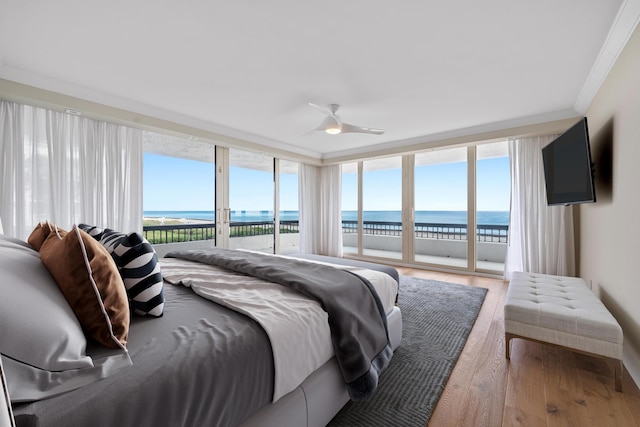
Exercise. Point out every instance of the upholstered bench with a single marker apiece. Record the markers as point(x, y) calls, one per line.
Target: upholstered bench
point(562, 311)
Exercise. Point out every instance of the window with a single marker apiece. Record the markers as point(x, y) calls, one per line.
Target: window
point(382, 207)
point(455, 203)
point(440, 194)
point(251, 201)
point(178, 197)
point(492, 203)
point(349, 204)
point(289, 236)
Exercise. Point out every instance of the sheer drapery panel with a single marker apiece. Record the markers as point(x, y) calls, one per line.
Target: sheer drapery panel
point(320, 213)
point(541, 237)
point(67, 169)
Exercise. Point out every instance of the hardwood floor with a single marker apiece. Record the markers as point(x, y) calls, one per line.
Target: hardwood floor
point(542, 385)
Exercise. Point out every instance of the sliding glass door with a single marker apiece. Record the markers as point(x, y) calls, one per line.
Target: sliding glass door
point(350, 209)
point(382, 208)
point(440, 198)
point(251, 201)
point(198, 195)
point(492, 204)
point(445, 207)
point(288, 238)
point(178, 198)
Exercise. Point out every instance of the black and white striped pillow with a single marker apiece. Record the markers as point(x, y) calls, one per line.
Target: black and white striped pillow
point(138, 265)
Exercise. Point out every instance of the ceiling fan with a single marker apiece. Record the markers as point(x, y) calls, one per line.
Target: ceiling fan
point(334, 125)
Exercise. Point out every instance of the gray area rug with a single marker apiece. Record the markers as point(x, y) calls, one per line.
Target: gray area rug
point(437, 319)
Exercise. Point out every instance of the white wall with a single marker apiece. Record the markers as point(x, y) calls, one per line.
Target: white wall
point(608, 232)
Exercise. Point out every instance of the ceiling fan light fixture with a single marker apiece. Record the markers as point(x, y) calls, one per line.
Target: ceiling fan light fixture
point(334, 130)
point(333, 124)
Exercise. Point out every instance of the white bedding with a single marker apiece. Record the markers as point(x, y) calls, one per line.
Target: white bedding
point(296, 325)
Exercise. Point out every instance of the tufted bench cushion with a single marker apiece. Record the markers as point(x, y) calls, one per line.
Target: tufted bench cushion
point(562, 311)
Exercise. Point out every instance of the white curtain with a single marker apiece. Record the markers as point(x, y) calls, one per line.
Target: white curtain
point(320, 211)
point(540, 236)
point(67, 169)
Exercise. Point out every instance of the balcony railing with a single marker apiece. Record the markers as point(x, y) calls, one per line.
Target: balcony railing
point(191, 232)
point(175, 233)
point(485, 233)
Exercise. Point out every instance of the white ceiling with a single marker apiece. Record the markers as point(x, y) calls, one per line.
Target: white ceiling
point(248, 69)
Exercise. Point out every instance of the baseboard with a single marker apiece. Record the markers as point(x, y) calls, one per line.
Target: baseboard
point(631, 359)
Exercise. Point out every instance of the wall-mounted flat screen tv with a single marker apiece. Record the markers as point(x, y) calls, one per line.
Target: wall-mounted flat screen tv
point(568, 170)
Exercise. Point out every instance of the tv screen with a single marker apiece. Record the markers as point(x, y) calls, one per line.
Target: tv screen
point(568, 170)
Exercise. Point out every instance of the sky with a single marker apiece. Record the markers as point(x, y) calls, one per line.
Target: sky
point(440, 187)
point(173, 184)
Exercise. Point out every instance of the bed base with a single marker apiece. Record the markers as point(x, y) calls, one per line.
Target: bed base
point(320, 397)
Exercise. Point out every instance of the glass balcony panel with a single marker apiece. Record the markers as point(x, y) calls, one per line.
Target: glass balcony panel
point(350, 208)
point(492, 204)
point(289, 232)
point(251, 196)
point(440, 198)
point(382, 208)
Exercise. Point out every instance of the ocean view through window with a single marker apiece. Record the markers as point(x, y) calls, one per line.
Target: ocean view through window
point(382, 191)
point(446, 217)
point(441, 184)
point(493, 189)
point(171, 164)
point(381, 222)
point(384, 224)
point(251, 186)
point(446, 207)
point(443, 207)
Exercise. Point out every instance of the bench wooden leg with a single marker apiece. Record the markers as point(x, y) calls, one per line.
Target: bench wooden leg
point(507, 342)
point(618, 367)
point(617, 372)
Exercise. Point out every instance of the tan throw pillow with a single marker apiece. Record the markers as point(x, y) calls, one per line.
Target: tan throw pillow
point(89, 280)
point(40, 234)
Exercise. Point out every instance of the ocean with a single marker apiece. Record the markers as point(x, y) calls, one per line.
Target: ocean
point(440, 217)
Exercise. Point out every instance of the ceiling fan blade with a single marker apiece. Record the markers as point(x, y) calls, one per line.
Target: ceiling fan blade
point(346, 127)
point(323, 110)
point(333, 124)
point(328, 122)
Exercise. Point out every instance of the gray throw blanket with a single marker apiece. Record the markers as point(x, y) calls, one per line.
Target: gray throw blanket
point(357, 319)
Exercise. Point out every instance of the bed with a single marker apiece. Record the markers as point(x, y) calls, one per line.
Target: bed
point(198, 363)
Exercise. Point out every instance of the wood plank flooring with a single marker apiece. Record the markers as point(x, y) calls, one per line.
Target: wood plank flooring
point(542, 385)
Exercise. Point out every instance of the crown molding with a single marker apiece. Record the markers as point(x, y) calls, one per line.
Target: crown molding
point(556, 122)
point(623, 27)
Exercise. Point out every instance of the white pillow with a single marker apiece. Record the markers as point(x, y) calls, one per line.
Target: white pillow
point(44, 349)
point(9, 239)
point(37, 325)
